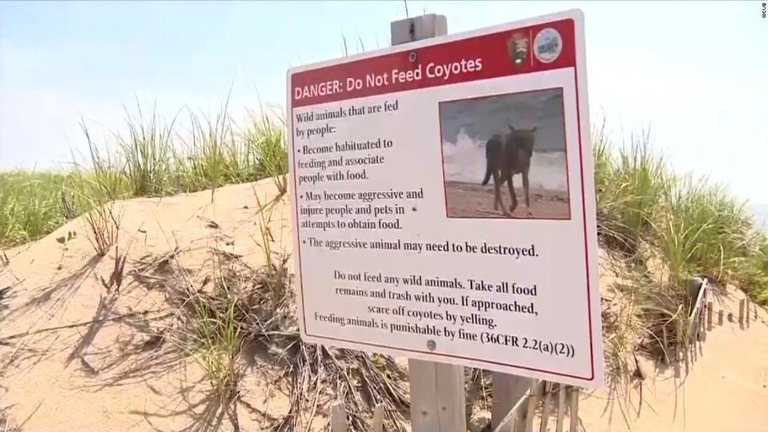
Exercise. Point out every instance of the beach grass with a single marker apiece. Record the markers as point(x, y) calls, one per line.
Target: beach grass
point(696, 225)
point(663, 226)
point(151, 160)
point(692, 225)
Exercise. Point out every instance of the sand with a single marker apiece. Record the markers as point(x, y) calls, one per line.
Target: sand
point(726, 389)
point(468, 200)
point(71, 378)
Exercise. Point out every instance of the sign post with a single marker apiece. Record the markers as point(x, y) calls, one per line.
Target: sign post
point(444, 207)
point(437, 390)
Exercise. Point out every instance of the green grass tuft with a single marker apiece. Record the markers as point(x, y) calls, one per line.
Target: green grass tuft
point(150, 160)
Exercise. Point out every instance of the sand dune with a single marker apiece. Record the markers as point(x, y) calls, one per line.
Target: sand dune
point(726, 389)
point(60, 372)
point(72, 379)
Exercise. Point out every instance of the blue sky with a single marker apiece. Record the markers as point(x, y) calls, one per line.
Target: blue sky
point(694, 71)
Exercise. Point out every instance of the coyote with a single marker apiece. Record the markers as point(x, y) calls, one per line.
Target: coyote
point(506, 157)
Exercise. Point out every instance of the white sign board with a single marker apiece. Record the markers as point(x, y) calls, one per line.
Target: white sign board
point(408, 239)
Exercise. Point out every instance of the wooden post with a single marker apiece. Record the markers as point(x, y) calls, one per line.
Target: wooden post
point(533, 402)
point(694, 341)
point(418, 28)
point(710, 313)
point(702, 324)
point(338, 417)
point(702, 315)
point(507, 391)
point(544, 425)
point(377, 424)
point(702, 330)
point(720, 316)
point(685, 345)
point(742, 308)
point(438, 391)
point(574, 410)
point(560, 408)
point(746, 311)
point(438, 397)
point(676, 363)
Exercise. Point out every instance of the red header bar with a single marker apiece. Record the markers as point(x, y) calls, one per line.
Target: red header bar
point(492, 55)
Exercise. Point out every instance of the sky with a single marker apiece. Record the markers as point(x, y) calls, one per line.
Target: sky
point(695, 73)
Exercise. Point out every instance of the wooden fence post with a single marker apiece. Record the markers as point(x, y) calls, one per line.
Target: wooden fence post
point(377, 424)
point(574, 409)
point(742, 307)
point(338, 417)
point(507, 391)
point(545, 411)
point(560, 422)
point(438, 390)
point(533, 402)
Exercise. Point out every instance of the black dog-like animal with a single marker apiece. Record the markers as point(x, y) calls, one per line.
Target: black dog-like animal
point(506, 157)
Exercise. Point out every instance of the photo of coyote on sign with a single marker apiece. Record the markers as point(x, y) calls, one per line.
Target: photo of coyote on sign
point(517, 139)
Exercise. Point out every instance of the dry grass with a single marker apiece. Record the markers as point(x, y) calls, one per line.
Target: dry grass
point(228, 315)
point(6, 424)
point(662, 229)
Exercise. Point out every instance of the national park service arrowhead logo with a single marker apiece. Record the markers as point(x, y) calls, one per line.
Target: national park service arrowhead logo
point(518, 47)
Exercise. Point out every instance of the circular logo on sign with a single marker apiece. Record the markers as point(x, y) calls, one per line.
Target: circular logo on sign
point(547, 45)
